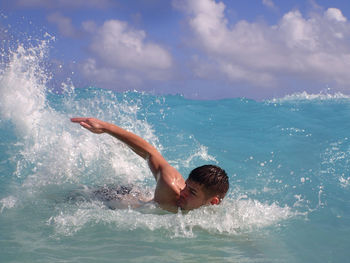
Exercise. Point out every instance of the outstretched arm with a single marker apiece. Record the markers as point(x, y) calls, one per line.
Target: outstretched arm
point(136, 143)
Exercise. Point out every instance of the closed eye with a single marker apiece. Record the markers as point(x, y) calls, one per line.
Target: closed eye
point(193, 192)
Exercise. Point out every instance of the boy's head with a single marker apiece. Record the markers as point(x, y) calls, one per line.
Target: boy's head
point(207, 184)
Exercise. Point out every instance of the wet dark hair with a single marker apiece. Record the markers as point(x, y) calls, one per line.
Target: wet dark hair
point(213, 178)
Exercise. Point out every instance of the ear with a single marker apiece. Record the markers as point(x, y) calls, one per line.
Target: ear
point(215, 200)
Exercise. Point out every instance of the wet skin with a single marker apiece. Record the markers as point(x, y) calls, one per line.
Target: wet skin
point(192, 196)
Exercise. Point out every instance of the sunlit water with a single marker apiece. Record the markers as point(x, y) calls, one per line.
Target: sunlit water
point(287, 159)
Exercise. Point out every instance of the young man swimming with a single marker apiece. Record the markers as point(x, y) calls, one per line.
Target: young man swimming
point(205, 185)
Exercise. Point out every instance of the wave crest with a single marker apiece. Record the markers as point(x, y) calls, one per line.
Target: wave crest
point(305, 96)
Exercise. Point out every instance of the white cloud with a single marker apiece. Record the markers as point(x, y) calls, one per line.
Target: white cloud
point(335, 14)
point(270, 4)
point(118, 45)
point(108, 76)
point(89, 26)
point(63, 23)
point(117, 50)
point(315, 48)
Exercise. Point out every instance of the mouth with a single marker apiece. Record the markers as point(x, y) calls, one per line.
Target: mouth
point(180, 202)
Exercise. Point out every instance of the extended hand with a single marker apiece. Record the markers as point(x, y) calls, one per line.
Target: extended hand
point(92, 124)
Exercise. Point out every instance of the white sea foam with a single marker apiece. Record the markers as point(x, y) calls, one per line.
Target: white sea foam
point(200, 152)
point(344, 181)
point(7, 202)
point(304, 96)
point(22, 86)
point(233, 217)
point(335, 160)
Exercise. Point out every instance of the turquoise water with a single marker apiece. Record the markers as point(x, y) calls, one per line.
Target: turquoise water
point(287, 159)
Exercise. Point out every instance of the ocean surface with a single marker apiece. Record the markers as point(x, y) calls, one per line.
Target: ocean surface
point(287, 159)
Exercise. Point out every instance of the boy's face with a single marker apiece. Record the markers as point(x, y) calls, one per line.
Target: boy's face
point(192, 196)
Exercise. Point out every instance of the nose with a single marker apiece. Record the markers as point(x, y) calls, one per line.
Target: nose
point(184, 193)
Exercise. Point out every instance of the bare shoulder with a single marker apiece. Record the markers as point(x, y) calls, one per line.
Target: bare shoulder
point(169, 184)
point(171, 176)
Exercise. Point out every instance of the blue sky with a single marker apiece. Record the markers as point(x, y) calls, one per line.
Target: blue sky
point(203, 49)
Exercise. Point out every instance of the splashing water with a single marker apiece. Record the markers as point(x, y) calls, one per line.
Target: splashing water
point(286, 159)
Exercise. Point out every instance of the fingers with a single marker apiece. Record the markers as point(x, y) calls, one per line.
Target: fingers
point(83, 122)
point(90, 124)
point(78, 119)
point(85, 125)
